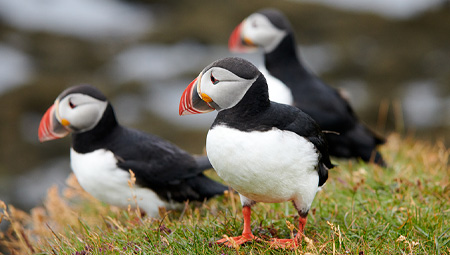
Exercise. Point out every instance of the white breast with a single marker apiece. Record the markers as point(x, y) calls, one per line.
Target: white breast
point(99, 175)
point(278, 91)
point(271, 166)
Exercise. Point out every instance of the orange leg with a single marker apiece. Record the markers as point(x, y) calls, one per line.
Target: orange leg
point(290, 243)
point(302, 223)
point(246, 234)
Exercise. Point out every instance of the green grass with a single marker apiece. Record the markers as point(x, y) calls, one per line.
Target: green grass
point(363, 209)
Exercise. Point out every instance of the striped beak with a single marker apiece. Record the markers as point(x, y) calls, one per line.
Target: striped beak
point(50, 128)
point(238, 43)
point(191, 102)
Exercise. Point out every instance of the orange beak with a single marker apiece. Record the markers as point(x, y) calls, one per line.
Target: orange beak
point(191, 102)
point(50, 128)
point(237, 43)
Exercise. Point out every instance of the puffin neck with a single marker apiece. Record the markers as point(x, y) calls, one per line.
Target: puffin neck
point(94, 139)
point(284, 56)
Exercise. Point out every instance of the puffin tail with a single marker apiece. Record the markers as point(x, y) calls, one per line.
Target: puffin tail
point(378, 159)
point(206, 187)
point(323, 173)
point(202, 163)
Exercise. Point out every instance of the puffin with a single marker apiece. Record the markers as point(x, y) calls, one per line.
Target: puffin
point(290, 82)
point(266, 151)
point(103, 151)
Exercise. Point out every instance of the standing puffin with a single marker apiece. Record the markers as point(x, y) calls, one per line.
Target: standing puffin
point(270, 30)
point(103, 152)
point(266, 151)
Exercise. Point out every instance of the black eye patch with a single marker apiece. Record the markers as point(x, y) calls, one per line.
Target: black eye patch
point(214, 80)
point(72, 105)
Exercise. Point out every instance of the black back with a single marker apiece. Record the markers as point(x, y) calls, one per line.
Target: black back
point(256, 113)
point(322, 102)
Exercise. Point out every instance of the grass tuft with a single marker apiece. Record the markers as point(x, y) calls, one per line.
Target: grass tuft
point(363, 209)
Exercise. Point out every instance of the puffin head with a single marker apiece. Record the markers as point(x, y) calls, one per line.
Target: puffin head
point(221, 85)
point(77, 109)
point(265, 29)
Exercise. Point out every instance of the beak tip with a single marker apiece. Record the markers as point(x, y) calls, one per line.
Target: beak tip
point(44, 126)
point(237, 43)
point(186, 99)
point(44, 133)
point(41, 139)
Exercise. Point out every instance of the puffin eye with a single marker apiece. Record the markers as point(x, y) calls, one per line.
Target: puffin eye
point(254, 23)
point(72, 105)
point(214, 80)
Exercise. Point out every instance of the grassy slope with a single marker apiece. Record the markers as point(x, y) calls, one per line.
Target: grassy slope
point(363, 209)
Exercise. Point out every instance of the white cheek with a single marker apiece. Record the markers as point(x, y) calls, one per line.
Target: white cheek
point(258, 35)
point(227, 96)
point(228, 91)
point(264, 34)
point(271, 41)
point(84, 117)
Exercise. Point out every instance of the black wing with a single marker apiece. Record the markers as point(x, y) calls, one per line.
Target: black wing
point(283, 117)
point(323, 103)
point(168, 170)
point(333, 113)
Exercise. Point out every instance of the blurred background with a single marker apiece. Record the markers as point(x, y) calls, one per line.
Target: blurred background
point(391, 57)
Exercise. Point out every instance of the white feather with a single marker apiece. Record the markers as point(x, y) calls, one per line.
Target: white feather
point(99, 175)
point(271, 166)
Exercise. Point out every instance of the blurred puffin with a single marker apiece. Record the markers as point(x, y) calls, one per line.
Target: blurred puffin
point(103, 151)
point(291, 83)
point(266, 151)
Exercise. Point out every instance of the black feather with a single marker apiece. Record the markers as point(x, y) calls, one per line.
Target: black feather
point(159, 165)
point(256, 113)
point(350, 138)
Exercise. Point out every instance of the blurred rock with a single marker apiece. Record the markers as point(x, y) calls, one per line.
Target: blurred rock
point(142, 54)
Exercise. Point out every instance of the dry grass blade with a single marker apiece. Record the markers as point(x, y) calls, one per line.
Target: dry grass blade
point(363, 209)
